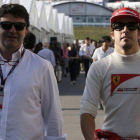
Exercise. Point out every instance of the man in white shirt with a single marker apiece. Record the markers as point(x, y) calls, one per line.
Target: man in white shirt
point(29, 97)
point(86, 51)
point(115, 80)
point(47, 54)
point(104, 50)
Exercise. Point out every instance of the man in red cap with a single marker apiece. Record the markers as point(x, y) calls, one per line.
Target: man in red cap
point(115, 80)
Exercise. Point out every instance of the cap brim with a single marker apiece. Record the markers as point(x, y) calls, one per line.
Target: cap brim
point(113, 19)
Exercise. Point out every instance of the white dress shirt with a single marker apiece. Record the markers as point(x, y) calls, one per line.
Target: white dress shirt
point(31, 104)
point(86, 50)
point(48, 55)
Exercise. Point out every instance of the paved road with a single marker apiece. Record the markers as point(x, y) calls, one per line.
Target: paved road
point(70, 101)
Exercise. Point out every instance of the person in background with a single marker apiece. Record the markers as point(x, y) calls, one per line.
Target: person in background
point(73, 64)
point(65, 58)
point(104, 50)
point(77, 48)
point(112, 44)
point(57, 54)
point(86, 52)
point(81, 58)
point(99, 44)
point(29, 97)
point(83, 42)
point(29, 41)
point(57, 44)
point(115, 80)
point(47, 54)
point(94, 43)
point(38, 47)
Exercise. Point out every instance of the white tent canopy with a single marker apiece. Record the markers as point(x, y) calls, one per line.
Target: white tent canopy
point(1, 2)
point(43, 24)
point(66, 25)
point(71, 26)
point(42, 16)
point(49, 14)
point(55, 21)
point(45, 21)
point(11, 1)
point(30, 5)
point(70, 36)
point(61, 20)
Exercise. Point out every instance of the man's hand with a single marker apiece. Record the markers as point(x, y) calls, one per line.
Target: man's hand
point(88, 126)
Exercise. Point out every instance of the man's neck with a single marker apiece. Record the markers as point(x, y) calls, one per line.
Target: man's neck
point(7, 54)
point(127, 52)
point(88, 44)
point(105, 48)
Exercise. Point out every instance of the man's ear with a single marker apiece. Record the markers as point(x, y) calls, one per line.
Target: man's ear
point(26, 31)
point(138, 34)
point(112, 35)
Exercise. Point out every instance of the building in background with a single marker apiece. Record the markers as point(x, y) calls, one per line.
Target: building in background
point(85, 13)
point(91, 12)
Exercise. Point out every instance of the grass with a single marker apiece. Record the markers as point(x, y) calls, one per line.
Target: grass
point(81, 32)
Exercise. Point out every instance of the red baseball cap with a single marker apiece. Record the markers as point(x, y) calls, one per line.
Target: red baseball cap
point(125, 12)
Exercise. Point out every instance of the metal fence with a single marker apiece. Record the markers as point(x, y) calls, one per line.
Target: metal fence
point(91, 24)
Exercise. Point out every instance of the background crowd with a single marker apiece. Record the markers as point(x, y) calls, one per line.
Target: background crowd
point(70, 59)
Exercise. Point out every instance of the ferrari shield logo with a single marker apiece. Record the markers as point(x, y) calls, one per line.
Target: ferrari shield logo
point(116, 80)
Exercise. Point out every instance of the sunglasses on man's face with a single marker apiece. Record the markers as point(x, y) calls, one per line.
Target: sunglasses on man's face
point(118, 26)
point(19, 26)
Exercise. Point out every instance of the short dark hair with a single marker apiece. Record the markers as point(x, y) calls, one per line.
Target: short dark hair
point(38, 47)
point(87, 38)
point(105, 38)
point(29, 41)
point(16, 10)
point(95, 42)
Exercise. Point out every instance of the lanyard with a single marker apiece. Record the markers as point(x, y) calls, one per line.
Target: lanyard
point(12, 69)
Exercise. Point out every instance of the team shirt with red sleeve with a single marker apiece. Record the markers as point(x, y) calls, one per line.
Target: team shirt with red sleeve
point(115, 80)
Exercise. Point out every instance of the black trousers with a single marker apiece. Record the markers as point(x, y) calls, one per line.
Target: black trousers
point(73, 70)
point(86, 65)
point(78, 67)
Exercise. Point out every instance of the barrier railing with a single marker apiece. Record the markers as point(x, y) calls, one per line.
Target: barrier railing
point(91, 24)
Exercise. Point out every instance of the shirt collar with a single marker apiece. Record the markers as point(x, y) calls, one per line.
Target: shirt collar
point(16, 55)
point(126, 58)
point(103, 50)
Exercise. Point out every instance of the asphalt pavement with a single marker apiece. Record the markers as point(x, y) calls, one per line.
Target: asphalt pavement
point(70, 96)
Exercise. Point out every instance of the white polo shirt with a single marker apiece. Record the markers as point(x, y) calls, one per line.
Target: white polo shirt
point(99, 53)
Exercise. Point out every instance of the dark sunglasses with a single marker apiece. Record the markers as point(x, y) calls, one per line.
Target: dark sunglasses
point(118, 26)
point(19, 26)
